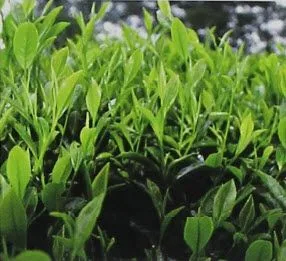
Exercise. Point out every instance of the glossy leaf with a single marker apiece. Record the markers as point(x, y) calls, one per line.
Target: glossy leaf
point(246, 130)
point(259, 250)
point(19, 170)
point(274, 188)
point(62, 169)
point(224, 202)
point(282, 131)
point(88, 216)
point(180, 38)
point(32, 255)
point(99, 184)
point(247, 214)
point(132, 66)
point(197, 232)
point(25, 44)
point(59, 60)
point(65, 92)
point(93, 98)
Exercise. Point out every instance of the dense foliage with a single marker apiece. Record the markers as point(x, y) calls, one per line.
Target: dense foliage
point(150, 147)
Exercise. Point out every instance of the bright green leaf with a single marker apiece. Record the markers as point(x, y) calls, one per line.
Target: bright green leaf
point(246, 130)
point(25, 44)
point(19, 170)
point(282, 131)
point(180, 38)
point(62, 169)
point(93, 98)
point(32, 255)
point(65, 92)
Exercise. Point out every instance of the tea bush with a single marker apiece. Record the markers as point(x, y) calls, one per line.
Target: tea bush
point(159, 147)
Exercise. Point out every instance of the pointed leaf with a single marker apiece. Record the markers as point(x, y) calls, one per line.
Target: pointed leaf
point(99, 185)
point(59, 60)
point(224, 202)
point(132, 67)
point(180, 38)
point(167, 220)
point(65, 92)
point(246, 130)
point(197, 232)
point(93, 98)
point(19, 170)
point(25, 44)
point(13, 220)
point(282, 131)
point(62, 169)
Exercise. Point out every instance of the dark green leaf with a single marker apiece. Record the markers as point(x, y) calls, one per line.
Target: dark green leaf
point(197, 232)
point(259, 250)
point(224, 202)
point(13, 220)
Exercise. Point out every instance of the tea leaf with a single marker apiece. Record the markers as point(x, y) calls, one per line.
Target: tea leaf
point(25, 44)
point(62, 169)
point(180, 38)
point(28, 6)
point(19, 170)
point(88, 216)
point(59, 60)
point(93, 98)
point(99, 184)
point(281, 157)
point(87, 139)
point(156, 196)
point(224, 202)
point(282, 131)
point(214, 160)
point(247, 214)
point(165, 8)
point(236, 172)
point(51, 196)
point(32, 255)
point(246, 130)
point(13, 220)
point(282, 252)
point(197, 232)
point(274, 188)
point(171, 92)
point(266, 154)
point(259, 250)
point(167, 220)
point(65, 92)
point(85, 222)
point(148, 21)
point(132, 66)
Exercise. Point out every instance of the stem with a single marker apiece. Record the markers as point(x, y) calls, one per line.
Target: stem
point(5, 250)
point(229, 117)
point(87, 180)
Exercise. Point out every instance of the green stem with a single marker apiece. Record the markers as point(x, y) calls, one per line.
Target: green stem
point(5, 250)
point(228, 118)
point(87, 180)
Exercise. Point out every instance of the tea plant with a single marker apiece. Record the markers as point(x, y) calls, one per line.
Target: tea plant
point(154, 147)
